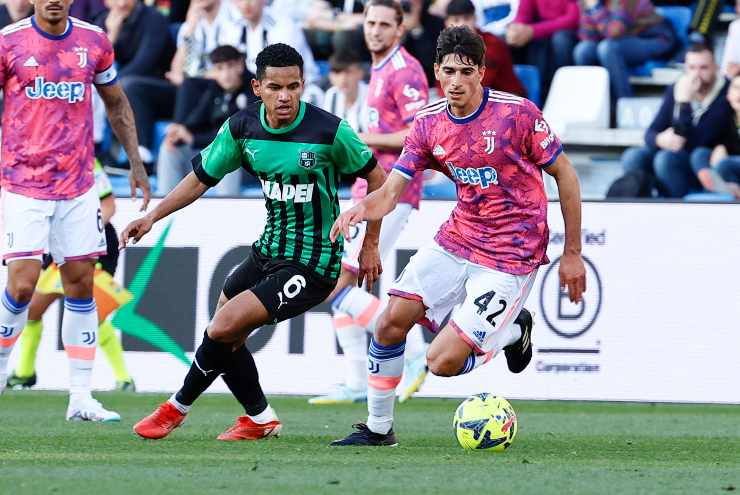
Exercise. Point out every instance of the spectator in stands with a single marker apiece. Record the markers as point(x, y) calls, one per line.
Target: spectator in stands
point(229, 92)
point(499, 69)
point(140, 37)
point(209, 24)
point(87, 10)
point(718, 169)
point(14, 11)
point(544, 34)
point(731, 56)
point(422, 30)
point(257, 27)
point(492, 16)
point(348, 92)
point(619, 34)
point(330, 26)
point(694, 113)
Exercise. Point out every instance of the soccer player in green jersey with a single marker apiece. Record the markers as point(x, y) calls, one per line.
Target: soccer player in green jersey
point(298, 152)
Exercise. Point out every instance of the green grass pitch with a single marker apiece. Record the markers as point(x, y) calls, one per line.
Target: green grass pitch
point(561, 447)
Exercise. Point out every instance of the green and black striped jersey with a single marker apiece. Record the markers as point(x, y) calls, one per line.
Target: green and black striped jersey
point(299, 167)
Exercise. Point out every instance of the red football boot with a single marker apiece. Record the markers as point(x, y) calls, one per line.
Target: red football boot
point(160, 423)
point(246, 429)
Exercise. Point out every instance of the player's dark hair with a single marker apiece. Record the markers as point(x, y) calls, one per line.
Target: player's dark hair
point(225, 53)
point(278, 55)
point(466, 45)
point(391, 4)
point(460, 7)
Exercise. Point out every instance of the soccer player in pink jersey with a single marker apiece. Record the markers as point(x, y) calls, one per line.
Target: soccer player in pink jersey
point(398, 88)
point(48, 64)
point(494, 146)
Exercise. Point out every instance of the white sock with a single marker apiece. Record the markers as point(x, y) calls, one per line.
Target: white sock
point(265, 416)
point(13, 317)
point(180, 407)
point(351, 338)
point(362, 306)
point(415, 343)
point(386, 366)
point(79, 335)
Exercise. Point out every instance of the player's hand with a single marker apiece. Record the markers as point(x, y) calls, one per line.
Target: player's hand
point(370, 264)
point(137, 178)
point(135, 231)
point(573, 276)
point(348, 219)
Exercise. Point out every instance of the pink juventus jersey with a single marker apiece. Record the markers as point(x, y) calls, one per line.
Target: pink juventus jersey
point(495, 157)
point(47, 142)
point(398, 88)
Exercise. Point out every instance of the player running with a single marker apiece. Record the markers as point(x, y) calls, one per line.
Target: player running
point(48, 63)
point(298, 152)
point(494, 146)
point(108, 295)
point(398, 88)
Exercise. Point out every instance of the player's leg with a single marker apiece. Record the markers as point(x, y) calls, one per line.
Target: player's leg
point(352, 338)
point(430, 285)
point(485, 324)
point(26, 234)
point(22, 277)
point(286, 291)
point(75, 242)
point(108, 339)
point(80, 337)
point(24, 375)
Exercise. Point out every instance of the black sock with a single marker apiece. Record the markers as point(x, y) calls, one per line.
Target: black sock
point(243, 380)
point(210, 360)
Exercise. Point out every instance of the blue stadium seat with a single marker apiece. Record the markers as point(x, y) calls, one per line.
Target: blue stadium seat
point(680, 19)
point(530, 78)
point(121, 188)
point(323, 67)
point(709, 197)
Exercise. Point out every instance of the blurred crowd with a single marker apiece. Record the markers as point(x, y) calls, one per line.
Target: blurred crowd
point(189, 64)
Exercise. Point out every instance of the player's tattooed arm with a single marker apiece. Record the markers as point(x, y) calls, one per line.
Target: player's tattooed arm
point(572, 269)
point(369, 258)
point(121, 119)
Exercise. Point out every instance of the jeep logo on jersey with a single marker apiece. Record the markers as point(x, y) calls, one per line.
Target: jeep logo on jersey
point(70, 91)
point(299, 193)
point(307, 159)
point(485, 176)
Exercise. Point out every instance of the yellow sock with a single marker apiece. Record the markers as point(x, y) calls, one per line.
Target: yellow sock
point(110, 344)
point(29, 344)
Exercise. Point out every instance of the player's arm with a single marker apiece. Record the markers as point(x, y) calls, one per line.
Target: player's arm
point(219, 158)
point(121, 119)
point(391, 142)
point(572, 270)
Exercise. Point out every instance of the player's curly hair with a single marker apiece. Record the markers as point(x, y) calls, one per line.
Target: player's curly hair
point(466, 45)
point(278, 55)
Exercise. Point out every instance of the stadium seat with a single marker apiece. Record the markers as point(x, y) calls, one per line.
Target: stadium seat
point(709, 197)
point(586, 85)
point(121, 188)
point(637, 112)
point(530, 78)
point(680, 19)
point(323, 66)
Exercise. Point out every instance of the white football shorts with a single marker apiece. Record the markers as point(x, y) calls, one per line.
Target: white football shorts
point(68, 229)
point(482, 300)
